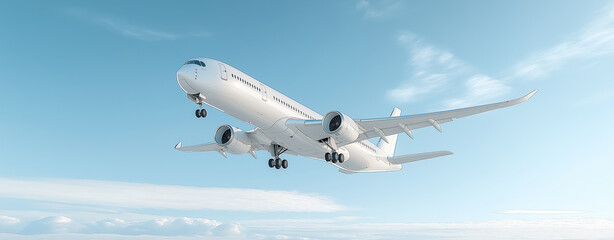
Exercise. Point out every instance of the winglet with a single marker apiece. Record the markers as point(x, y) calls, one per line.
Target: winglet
point(178, 146)
point(520, 100)
point(529, 95)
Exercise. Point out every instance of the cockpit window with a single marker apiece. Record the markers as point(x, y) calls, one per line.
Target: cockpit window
point(197, 62)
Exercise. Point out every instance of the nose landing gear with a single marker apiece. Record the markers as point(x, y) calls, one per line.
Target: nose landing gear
point(198, 98)
point(201, 112)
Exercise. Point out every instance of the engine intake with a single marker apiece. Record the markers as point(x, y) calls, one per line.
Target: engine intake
point(340, 127)
point(232, 139)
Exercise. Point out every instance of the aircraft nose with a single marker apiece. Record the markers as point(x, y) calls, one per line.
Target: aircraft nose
point(185, 76)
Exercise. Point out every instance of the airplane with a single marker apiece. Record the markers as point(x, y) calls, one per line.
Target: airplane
point(283, 125)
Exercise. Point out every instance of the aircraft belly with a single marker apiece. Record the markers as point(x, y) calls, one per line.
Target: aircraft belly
point(293, 141)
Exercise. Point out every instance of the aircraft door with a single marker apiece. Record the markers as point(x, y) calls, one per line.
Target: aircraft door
point(263, 87)
point(224, 74)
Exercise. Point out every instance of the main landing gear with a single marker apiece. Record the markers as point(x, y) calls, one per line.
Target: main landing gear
point(277, 162)
point(200, 112)
point(334, 157)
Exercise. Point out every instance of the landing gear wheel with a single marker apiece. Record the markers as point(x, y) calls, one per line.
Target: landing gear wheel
point(203, 113)
point(327, 157)
point(284, 163)
point(278, 163)
point(341, 158)
point(197, 113)
point(271, 163)
point(334, 157)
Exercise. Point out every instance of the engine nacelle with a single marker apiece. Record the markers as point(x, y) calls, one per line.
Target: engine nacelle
point(340, 127)
point(232, 139)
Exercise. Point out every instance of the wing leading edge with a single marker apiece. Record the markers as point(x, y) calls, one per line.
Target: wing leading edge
point(394, 125)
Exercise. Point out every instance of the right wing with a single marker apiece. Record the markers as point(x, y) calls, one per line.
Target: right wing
point(378, 127)
point(394, 125)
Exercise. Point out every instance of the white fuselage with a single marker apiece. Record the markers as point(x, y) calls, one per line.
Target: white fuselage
point(243, 97)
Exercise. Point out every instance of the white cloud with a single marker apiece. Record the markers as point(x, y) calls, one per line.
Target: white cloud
point(154, 226)
point(81, 236)
point(51, 225)
point(436, 70)
point(158, 226)
point(6, 220)
point(479, 89)
point(227, 229)
point(431, 68)
point(520, 211)
point(67, 228)
point(149, 196)
point(594, 40)
point(10, 224)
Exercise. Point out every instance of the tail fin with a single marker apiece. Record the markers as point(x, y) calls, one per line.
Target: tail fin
point(388, 147)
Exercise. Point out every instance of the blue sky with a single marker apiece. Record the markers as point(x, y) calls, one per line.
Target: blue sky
point(91, 111)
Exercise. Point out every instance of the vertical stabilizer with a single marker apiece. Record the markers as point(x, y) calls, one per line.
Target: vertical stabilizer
point(388, 147)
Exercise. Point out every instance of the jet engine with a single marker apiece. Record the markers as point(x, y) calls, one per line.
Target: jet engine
point(232, 139)
point(340, 127)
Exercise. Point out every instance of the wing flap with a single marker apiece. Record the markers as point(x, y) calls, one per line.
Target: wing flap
point(417, 157)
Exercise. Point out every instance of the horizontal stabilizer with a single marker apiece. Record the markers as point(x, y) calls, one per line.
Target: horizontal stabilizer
point(417, 157)
point(345, 171)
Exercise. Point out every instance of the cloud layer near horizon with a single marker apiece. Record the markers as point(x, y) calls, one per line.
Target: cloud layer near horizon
point(66, 228)
point(149, 196)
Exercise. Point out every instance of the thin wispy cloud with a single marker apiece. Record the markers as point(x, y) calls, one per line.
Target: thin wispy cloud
point(136, 31)
point(149, 196)
point(430, 68)
point(521, 211)
point(478, 89)
point(434, 70)
point(127, 29)
point(429, 75)
point(596, 39)
point(379, 9)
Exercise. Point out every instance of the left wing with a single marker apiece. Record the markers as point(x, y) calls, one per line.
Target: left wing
point(199, 148)
point(258, 142)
